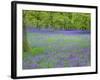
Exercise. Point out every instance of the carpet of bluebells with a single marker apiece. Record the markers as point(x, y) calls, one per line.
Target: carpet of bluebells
point(56, 49)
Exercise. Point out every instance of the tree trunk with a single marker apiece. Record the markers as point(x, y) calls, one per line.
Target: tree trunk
point(26, 47)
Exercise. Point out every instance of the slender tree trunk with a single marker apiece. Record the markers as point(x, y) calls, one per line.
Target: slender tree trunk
point(50, 20)
point(38, 18)
point(64, 21)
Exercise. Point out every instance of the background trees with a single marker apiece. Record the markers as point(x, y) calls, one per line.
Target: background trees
point(56, 20)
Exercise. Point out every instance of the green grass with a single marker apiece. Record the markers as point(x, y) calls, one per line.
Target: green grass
point(38, 50)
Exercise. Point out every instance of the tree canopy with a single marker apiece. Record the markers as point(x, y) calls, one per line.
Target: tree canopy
point(56, 20)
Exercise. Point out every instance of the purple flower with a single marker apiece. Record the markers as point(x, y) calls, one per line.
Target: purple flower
point(34, 66)
point(60, 63)
point(73, 61)
point(37, 58)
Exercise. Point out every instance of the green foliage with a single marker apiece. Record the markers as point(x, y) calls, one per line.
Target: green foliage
point(50, 39)
point(38, 50)
point(57, 20)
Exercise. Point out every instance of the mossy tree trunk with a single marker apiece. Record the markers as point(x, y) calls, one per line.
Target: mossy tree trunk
point(26, 47)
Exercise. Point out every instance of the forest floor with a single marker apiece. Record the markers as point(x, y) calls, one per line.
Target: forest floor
point(55, 49)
